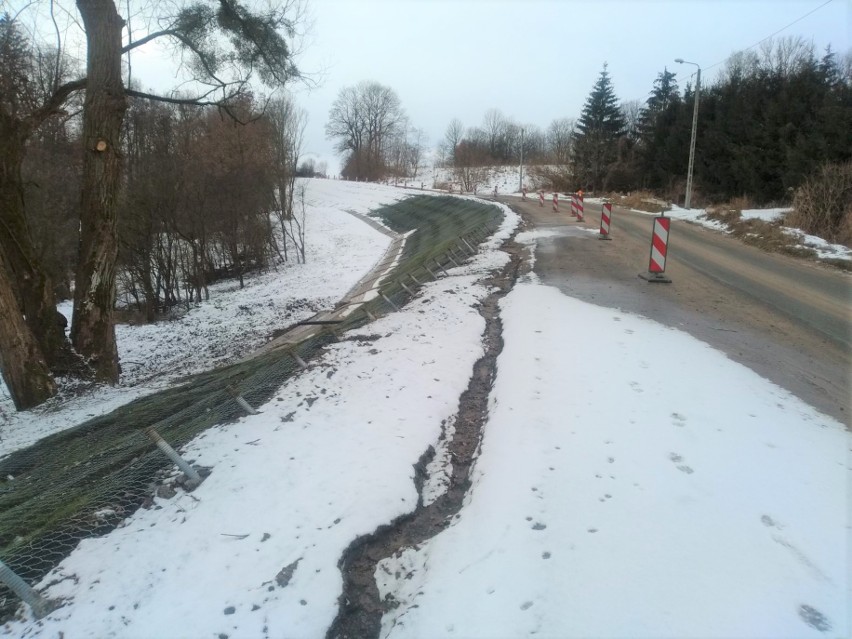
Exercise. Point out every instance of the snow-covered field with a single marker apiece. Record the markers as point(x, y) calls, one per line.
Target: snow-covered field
point(635, 484)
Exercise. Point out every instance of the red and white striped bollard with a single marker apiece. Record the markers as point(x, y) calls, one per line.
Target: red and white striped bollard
point(606, 217)
point(659, 251)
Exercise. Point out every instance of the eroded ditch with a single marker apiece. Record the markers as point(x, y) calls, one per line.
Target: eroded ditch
point(360, 607)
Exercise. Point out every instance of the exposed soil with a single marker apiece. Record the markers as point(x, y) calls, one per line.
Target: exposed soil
point(360, 607)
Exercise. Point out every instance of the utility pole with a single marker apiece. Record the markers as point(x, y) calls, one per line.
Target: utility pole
point(688, 201)
point(521, 185)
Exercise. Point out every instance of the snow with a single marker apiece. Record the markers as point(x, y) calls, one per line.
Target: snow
point(340, 249)
point(767, 215)
point(824, 250)
point(635, 484)
point(328, 459)
point(641, 485)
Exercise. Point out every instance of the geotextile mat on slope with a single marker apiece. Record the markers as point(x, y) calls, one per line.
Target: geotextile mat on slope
point(84, 481)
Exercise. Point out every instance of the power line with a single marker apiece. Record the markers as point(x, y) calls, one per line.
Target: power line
point(772, 35)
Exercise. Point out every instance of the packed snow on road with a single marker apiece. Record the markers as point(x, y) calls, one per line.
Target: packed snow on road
point(632, 481)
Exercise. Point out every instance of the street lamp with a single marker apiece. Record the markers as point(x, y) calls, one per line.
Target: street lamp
point(694, 128)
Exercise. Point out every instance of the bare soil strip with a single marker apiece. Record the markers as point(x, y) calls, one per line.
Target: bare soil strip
point(360, 607)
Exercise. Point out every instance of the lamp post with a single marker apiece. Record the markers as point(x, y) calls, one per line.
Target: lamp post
point(688, 201)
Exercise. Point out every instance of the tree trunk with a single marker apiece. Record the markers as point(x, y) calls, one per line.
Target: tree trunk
point(31, 285)
point(92, 329)
point(24, 369)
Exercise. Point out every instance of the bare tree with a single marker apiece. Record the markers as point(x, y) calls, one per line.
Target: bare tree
point(414, 150)
point(24, 369)
point(453, 136)
point(288, 124)
point(226, 46)
point(495, 125)
point(32, 91)
point(560, 135)
point(364, 118)
point(631, 110)
point(257, 46)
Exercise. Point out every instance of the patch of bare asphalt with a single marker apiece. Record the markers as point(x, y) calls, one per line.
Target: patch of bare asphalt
point(360, 608)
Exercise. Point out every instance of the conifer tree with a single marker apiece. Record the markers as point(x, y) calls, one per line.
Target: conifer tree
point(599, 128)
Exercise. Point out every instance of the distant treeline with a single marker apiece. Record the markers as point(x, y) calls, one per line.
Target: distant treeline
point(769, 120)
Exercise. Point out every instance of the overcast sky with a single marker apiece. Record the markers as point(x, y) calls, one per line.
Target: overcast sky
point(535, 60)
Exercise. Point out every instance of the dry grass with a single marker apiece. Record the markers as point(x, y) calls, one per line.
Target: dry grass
point(822, 206)
point(641, 201)
point(729, 213)
point(551, 178)
point(770, 236)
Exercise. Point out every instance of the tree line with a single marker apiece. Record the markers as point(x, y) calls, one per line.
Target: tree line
point(766, 123)
point(373, 133)
point(79, 144)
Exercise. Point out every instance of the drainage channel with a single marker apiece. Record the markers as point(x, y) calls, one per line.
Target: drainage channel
point(360, 608)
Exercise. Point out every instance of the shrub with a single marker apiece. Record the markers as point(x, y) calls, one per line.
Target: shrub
point(822, 206)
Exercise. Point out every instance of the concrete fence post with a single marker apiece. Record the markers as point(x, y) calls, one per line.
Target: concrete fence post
point(163, 445)
point(233, 392)
point(39, 605)
point(387, 299)
point(416, 281)
point(405, 286)
point(302, 363)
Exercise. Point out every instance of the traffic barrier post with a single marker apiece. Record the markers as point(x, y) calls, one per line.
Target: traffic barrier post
point(555, 201)
point(606, 217)
point(580, 217)
point(659, 251)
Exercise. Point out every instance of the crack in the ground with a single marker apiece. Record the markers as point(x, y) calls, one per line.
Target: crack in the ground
point(360, 607)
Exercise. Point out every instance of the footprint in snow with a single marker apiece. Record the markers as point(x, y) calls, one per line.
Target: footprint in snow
point(526, 605)
point(678, 419)
point(681, 467)
point(814, 618)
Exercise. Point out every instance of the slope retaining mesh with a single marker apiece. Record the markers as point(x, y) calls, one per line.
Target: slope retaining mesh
point(84, 481)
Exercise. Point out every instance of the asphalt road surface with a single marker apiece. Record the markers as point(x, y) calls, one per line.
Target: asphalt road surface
point(787, 319)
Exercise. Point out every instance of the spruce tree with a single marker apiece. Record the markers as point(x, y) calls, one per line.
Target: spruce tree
point(661, 151)
point(599, 128)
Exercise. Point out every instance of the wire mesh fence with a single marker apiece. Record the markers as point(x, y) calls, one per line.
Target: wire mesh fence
point(84, 481)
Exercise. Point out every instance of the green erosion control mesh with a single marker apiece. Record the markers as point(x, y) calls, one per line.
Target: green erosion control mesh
point(84, 481)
